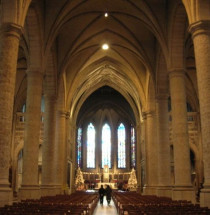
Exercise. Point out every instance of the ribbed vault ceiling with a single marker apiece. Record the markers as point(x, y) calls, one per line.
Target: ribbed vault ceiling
point(79, 28)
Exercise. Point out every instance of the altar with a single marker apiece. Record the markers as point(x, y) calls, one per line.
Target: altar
point(106, 174)
point(106, 179)
point(94, 180)
point(112, 185)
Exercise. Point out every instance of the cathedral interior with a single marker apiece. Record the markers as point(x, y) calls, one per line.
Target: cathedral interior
point(88, 84)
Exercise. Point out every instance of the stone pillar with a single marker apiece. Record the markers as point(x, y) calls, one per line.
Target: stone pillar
point(30, 185)
point(143, 151)
point(66, 151)
point(182, 170)
point(201, 37)
point(60, 149)
point(138, 157)
point(164, 168)
point(151, 155)
point(49, 186)
point(9, 43)
point(73, 157)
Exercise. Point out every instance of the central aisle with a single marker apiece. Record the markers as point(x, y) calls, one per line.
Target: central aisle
point(105, 209)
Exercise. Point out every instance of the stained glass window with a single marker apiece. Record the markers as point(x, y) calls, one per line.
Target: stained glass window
point(121, 146)
point(24, 108)
point(42, 104)
point(22, 117)
point(42, 108)
point(133, 147)
point(106, 145)
point(90, 146)
point(79, 147)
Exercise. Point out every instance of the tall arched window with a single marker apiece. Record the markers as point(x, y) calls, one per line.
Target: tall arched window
point(19, 168)
point(133, 147)
point(106, 145)
point(24, 108)
point(90, 146)
point(22, 117)
point(121, 146)
point(42, 108)
point(79, 147)
point(42, 104)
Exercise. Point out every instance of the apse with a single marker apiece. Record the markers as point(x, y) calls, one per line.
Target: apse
point(106, 133)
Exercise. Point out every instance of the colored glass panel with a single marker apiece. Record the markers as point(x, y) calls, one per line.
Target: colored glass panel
point(79, 147)
point(90, 146)
point(133, 147)
point(106, 145)
point(121, 147)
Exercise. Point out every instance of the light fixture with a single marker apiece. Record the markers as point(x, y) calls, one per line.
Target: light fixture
point(106, 14)
point(105, 46)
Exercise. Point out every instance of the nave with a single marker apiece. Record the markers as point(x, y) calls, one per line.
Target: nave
point(105, 209)
point(87, 203)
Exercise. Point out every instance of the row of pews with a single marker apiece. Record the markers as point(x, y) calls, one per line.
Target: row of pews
point(132, 203)
point(78, 203)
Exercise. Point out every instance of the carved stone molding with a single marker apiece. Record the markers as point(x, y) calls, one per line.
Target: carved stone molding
point(176, 72)
point(200, 27)
point(11, 29)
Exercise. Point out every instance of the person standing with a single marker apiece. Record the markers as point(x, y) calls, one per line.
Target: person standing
point(108, 194)
point(101, 194)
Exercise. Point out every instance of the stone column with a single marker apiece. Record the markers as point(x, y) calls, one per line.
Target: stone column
point(73, 157)
point(49, 186)
point(138, 157)
point(151, 155)
point(164, 168)
point(182, 170)
point(60, 148)
point(9, 43)
point(66, 151)
point(30, 185)
point(201, 37)
point(143, 151)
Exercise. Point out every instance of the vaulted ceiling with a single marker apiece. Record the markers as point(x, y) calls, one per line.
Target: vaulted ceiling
point(132, 31)
point(137, 33)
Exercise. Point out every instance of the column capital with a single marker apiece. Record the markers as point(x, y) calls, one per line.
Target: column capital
point(67, 114)
point(200, 27)
point(63, 113)
point(34, 71)
point(11, 29)
point(162, 96)
point(50, 96)
point(176, 72)
point(147, 114)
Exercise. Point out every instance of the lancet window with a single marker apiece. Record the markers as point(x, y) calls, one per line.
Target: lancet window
point(121, 146)
point(91, 146)
point(106, 145)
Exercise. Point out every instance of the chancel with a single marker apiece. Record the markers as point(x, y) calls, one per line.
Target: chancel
point(106, 174)
point(104, 93)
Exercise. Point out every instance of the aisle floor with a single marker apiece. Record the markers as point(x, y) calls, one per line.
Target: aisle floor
point(105, 209)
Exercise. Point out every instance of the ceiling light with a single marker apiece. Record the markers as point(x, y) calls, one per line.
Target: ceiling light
point(106, 14)
point(105, 46)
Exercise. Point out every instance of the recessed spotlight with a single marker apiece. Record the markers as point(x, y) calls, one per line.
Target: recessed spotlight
point(106, 14)
point(105, 46)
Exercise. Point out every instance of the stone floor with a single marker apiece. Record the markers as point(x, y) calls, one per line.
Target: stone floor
point(105, 209)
